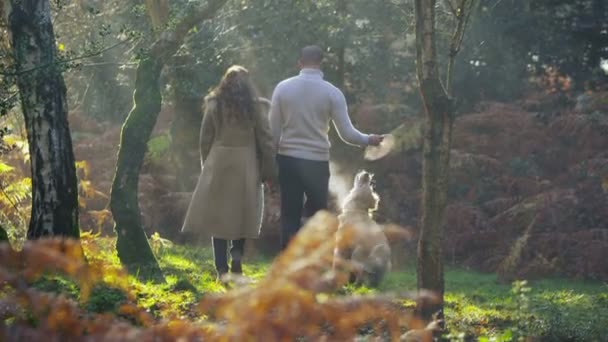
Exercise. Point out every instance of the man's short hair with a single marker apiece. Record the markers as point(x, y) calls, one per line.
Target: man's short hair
point(311, 55)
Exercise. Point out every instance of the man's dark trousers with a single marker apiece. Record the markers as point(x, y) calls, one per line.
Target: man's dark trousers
point(299, 177)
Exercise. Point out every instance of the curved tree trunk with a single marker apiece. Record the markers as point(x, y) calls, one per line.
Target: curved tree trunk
point(43, 100)
point(132, 244)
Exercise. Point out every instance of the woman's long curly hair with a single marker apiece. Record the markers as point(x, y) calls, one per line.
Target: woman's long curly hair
point(236, 97)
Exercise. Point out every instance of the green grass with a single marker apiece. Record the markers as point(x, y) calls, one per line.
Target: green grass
point(552, 309)
point(476, 304)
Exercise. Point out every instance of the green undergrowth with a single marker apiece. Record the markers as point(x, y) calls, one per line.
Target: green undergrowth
point(476, 304)
point(549, 309)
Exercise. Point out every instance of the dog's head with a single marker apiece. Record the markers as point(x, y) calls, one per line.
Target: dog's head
point(363, 179)
point(362, 196)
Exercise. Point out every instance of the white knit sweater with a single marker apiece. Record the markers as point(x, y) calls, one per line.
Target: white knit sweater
point(302, 107)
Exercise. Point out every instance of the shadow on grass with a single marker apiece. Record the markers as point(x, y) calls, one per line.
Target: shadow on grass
point(553, 309)
point(476, 303)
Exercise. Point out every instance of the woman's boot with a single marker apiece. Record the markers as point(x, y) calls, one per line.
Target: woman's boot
point(236, 252)
point(220, 249)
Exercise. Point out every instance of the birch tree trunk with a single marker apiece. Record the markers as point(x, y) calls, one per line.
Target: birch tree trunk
point(132, 244)
point(43, 100)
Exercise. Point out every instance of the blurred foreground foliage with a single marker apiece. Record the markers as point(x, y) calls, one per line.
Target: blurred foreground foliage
point(295, 299)
point(49, 292)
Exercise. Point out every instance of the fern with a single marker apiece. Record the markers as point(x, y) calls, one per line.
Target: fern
point(15, 203)
point(4, 168)
point(15, 188)
point(295, 300)
point(20, 146)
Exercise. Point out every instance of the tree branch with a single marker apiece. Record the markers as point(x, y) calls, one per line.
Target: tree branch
point(452, 8)
point(85, 56)
point(101, 64)
point(170, 40)
point(462, 18)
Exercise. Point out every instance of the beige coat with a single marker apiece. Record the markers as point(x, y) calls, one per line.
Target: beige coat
point(228, 201)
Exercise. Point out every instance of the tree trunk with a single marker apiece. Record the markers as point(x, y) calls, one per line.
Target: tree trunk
point(440, 113)
point(342, 10)
point(436, 157)
point(462, 14)
point(43, 100)
point(435, 167)
point(132, 244)
point(158, 11)
point(598, 39)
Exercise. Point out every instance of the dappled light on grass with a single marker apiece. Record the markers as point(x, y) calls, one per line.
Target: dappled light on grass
point(58, 296)
point(477, 305)
point(178, 262)
point(287, 301)
point(192, 266)
point(55, 256)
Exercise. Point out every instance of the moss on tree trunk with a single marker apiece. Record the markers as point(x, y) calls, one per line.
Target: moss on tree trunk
point(132, 243)
point(43, 100)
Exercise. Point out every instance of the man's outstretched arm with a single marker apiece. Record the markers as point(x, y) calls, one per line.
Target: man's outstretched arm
point(347, 132)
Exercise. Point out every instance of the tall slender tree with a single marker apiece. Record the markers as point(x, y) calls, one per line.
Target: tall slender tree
point(43, 101)
point(132, 244)
point(440, 112)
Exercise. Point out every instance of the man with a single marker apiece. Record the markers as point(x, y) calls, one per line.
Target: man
point(300, 113)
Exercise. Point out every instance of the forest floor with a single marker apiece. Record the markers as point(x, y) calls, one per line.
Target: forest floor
point(476, 303)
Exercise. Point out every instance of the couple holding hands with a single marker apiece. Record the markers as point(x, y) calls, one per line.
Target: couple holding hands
point(242, 147)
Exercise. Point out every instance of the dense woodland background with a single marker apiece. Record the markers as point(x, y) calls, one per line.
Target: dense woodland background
point(528, 184)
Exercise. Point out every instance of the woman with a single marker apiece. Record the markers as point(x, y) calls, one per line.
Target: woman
point(237, 156)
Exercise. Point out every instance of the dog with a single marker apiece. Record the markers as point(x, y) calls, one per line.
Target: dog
point(359, 238)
